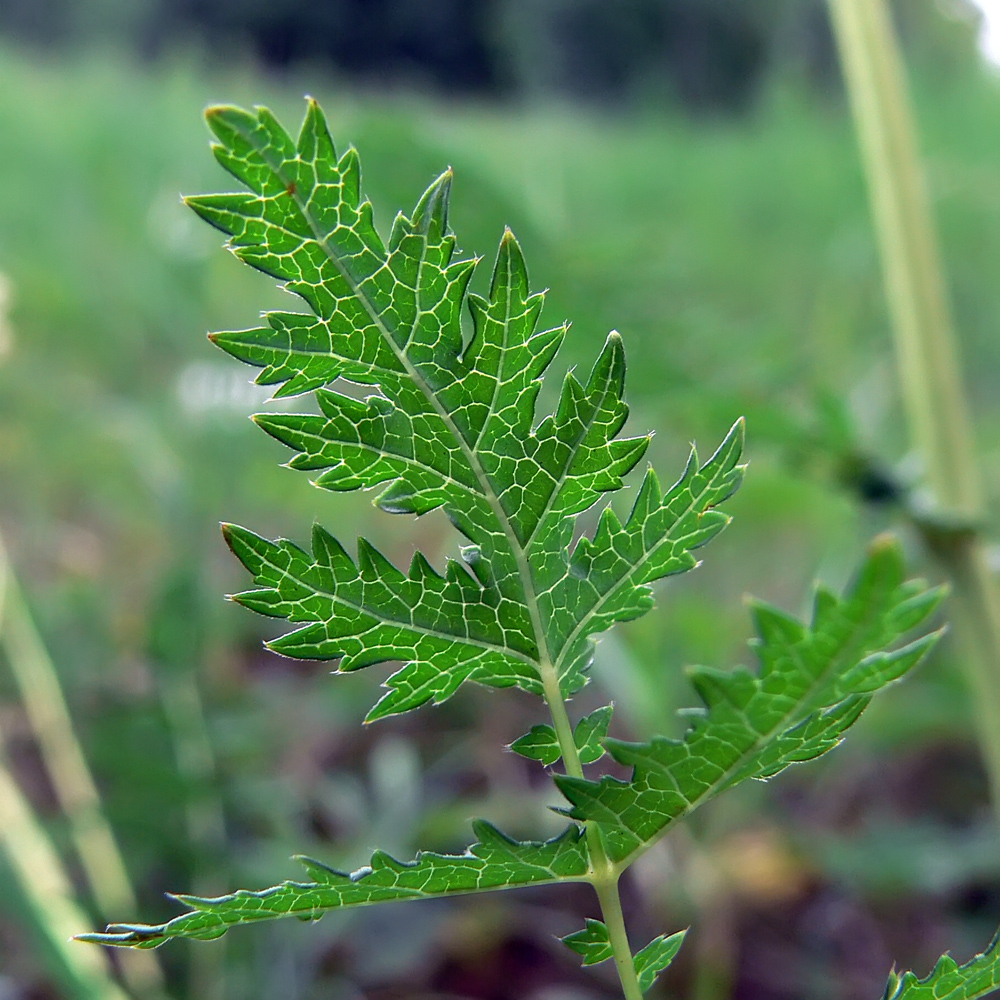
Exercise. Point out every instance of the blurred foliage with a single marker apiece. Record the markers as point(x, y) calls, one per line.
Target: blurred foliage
point(705, 54)
point(741, 271)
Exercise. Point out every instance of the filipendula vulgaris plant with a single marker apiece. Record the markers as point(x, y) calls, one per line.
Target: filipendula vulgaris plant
point(451, 424)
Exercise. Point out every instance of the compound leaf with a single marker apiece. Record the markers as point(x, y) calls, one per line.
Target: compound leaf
point(949, 980)
point(814, 682)
point(494, 862)
point(452, 425)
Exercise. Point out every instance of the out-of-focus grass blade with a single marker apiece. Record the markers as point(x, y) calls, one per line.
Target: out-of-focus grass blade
point(48, 891)
point(48, 714)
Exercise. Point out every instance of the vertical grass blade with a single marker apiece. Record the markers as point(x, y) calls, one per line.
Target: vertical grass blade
point(205, 820)
point(926, 346)
point(48, 891)
point(48, 715)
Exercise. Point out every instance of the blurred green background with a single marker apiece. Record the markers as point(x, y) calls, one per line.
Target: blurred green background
point(683, 171)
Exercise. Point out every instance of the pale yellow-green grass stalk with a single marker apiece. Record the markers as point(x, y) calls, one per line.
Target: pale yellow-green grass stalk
point(48, 715)
point(949, 508)
point(41, 874)
point(48, 891)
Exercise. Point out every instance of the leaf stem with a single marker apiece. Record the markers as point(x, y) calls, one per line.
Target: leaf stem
point(611, 910)
point(604, 873)
point(560, 720)
point(926, 347)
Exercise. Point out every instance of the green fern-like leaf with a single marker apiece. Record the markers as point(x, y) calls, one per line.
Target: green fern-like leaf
point(451, 423)
point(454, 426)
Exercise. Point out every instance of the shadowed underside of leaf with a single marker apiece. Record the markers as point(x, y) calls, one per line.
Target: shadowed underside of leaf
point(814, 682)
point(593, 943)
point(495, 862)
point(656, 957)
point(949, 980)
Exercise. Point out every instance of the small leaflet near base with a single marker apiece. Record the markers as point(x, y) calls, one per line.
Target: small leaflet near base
point(655, 957)
point(593, 942)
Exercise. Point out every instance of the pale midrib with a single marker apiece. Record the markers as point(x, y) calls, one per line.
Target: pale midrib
point(764, 738)
point(627, 576)
point(174, 928)
point(544, 666)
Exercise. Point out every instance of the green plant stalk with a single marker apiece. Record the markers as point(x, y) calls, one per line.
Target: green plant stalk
point(950, 511)
point(48, 714)
point(611, 910)
point(605, 875)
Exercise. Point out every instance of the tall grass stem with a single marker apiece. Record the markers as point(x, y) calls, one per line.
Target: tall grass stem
point(41, 874)
point(48, 714)
point(48, 891)
point(949, 508)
